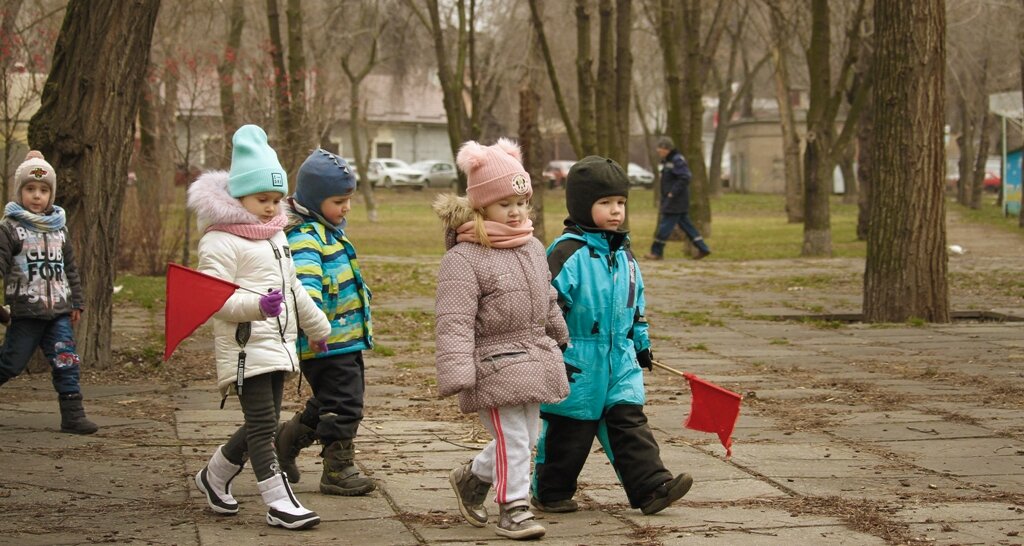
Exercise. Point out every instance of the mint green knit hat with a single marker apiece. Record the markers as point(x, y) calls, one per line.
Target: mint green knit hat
point(254, 164)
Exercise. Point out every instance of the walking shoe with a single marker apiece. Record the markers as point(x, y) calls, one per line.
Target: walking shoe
point(291, 438)
point(215, 482)
point(555, 507)
point(666, 493)
point(283, 509)
point(72, 415)
point(518, 523)
point(702, 254)
point(654, 257)
point(471, 493)
point(341, 476)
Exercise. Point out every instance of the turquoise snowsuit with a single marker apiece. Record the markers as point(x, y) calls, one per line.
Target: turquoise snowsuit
point(602, 295)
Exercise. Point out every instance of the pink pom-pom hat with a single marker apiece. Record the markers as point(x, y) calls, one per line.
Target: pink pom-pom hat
point(493, 172)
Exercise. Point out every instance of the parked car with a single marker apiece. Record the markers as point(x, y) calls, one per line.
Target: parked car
point(392, 173)
point(556, 171)
point(438, 174)
point(639, 176)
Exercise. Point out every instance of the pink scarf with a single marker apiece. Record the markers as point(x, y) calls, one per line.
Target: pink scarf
point(254, 232)
point(500, 235)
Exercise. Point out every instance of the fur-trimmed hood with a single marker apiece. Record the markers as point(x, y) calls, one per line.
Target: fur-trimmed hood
point(453, 210)
point(208, 196)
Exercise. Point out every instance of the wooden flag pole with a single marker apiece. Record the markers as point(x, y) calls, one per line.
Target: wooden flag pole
point(668, 368)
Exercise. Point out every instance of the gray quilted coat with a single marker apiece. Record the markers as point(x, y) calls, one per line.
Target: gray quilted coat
point(498, 323)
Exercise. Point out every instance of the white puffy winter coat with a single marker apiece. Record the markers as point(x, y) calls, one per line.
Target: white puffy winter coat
point(259, 265)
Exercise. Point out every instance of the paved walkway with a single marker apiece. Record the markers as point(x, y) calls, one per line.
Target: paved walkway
point(849, 433)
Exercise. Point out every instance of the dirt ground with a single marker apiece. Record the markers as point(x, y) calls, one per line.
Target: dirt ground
point(746, 324)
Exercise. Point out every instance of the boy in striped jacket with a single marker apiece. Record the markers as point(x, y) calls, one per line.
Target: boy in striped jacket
point(325, 261)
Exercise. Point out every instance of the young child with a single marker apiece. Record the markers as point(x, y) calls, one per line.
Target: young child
point(42, 288)
point(601, 292)
point(326, 264)
point(240, 216)
point(499, 329)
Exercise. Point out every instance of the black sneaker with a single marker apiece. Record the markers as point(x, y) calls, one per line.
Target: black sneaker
point(556, 507)
point(666, 493)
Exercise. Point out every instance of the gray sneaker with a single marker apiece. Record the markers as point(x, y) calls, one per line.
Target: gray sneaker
point(471, 493)
point(518, 523)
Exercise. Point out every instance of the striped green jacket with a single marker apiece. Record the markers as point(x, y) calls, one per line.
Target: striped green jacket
point(326, 264)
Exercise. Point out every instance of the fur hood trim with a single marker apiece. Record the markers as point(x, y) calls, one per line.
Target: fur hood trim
point(453, 210)
point(208, 196)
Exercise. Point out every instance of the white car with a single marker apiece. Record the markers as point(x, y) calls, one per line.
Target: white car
point(639, 176)
point(393, 173)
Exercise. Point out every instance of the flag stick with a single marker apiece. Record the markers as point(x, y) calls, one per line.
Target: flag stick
point(668, 368)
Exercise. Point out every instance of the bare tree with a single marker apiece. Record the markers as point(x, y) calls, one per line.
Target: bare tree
point(87, 132)
point(824, 146)
point(226, 70)
point(905, 273)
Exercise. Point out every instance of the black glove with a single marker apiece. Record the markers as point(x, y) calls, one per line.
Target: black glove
point(645, 359)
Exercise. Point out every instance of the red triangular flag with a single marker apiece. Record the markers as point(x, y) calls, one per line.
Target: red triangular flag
point(192, 298)
point(713, 409)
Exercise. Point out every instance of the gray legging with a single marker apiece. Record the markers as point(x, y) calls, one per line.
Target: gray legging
point(261, 406)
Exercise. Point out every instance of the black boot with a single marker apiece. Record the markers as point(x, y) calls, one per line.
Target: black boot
point(292, 437)
point(72, 415)
point(341, 477)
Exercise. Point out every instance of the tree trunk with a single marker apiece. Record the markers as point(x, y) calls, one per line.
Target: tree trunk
point(530, 143)
point(451, 83)
point(603, 92)
point(556, 89)
point(585, 83)
point(905, 272)
point(8, 112)
point(282, 96)
point(849, 175)
point(820, 130)
point(623, 81)
point(865, 167)
point(296, 141)
point(85, 126)
point(787, 119)
point(668, 40)
point(226, 74)
point(692, 146)
point(980, 159)
point(964, 141)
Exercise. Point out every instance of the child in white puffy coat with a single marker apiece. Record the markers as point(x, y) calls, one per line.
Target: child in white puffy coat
point(240, 216)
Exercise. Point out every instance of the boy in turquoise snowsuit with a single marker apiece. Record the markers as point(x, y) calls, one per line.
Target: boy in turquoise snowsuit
point(601, 293)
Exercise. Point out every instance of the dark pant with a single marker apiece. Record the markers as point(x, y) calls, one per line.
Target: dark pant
point(336, 408)
point(565, 443)
point(54, 337)
point(261, 406)
point(667, 223)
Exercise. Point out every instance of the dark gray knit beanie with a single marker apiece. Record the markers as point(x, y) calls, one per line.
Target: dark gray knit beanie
point(592, 178)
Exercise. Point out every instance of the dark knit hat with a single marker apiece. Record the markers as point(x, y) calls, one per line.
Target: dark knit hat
point(322, 175)
point(592, 178)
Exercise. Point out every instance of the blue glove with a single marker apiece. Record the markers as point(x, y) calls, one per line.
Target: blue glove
point(271, 303)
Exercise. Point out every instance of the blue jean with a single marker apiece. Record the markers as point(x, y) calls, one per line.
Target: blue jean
point(667, 223)
point(54, 337)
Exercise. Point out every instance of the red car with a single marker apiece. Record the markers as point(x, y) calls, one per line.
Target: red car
point(555, 173)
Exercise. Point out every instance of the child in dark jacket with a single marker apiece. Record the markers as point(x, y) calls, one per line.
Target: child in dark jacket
point(601, 293)
point(42, 288)
point(327, 266)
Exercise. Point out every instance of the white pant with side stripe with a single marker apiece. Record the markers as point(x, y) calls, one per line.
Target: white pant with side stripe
point(505, 462)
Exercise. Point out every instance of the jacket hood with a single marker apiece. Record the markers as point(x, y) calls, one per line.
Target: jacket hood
point(208, 196)
point(298, 215)
point(453, 210)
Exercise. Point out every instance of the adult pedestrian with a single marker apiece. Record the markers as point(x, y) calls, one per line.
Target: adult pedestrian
point(675, 202)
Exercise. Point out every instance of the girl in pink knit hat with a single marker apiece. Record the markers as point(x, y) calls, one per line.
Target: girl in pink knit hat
point(499, 331)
